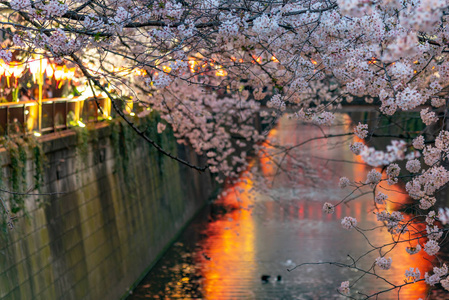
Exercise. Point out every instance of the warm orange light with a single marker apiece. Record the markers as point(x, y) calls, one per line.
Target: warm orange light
point(71, 73)
point(139, 72)
point(221, 72)
point(64, 73)
point(314, 61)
point(372, 60)
point(273, 58)
point(240, 60)
point(192, 64)
point(257, 59)
point(59, 73)
point(233, 58)
point(166, 69)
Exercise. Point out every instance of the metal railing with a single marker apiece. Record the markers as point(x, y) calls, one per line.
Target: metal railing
point(57, 114)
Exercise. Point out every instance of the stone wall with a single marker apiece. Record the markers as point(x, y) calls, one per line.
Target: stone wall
point(116, 204)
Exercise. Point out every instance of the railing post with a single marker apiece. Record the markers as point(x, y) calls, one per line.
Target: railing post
point(40, 83)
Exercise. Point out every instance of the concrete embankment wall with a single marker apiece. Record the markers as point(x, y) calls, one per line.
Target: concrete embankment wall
point(120, 204)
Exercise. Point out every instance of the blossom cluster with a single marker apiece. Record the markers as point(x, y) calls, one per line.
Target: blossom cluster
point(210, 67)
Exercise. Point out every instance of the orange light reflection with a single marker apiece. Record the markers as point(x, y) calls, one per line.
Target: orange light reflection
point(233, 240)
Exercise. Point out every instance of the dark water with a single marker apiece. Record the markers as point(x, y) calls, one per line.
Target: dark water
point(224, 252)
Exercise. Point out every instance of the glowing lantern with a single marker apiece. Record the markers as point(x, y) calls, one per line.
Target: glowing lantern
point(64, 72)
point(37, 67)
point(34, 66)
point(43, 66)
point(18, 70)
point(58, 73)
point(49, 71)
point(71, 73)
point(9, 71)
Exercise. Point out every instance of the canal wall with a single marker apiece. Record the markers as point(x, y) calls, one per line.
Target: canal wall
point(114, 204)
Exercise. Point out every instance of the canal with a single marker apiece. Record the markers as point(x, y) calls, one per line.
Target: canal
point(247, 234)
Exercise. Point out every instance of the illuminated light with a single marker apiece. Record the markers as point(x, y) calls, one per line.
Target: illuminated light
point(44, 64)
point(221, 72)
point(65, 73)
point(27, 112)
point(192, 63)
point(38, 134)
point(109, 118)
point(81, 124)
point(273, 58)
point(9, 71)
point(415, 62)
point(372, 61)
point(314, 61)
point(59, 73)
point(240, 60)
point(132, 114)
point(166, 69)
point(415, 71)
point(71, 73)
point(433, 67)
point(139, 72)
point(49, 71)
point(233, 58)
point(34, 66)
point(257, 59)
point(18, 68)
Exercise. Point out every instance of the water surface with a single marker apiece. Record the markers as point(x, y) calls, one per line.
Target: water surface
point(228, 247)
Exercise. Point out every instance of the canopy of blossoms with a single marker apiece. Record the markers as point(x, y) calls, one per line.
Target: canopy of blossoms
point(205, 65)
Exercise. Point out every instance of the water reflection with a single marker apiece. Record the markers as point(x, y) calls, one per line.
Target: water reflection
point(226, 250)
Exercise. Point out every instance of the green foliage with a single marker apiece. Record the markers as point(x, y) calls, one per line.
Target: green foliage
point(38, 161)
point(19, 150)
point(18, 159)
point(124, 141)
point(82, 135)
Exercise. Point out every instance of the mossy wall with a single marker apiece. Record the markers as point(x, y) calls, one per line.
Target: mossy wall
point(116, 204)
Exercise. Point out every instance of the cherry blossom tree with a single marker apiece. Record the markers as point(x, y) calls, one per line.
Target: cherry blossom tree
point(207, 66)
